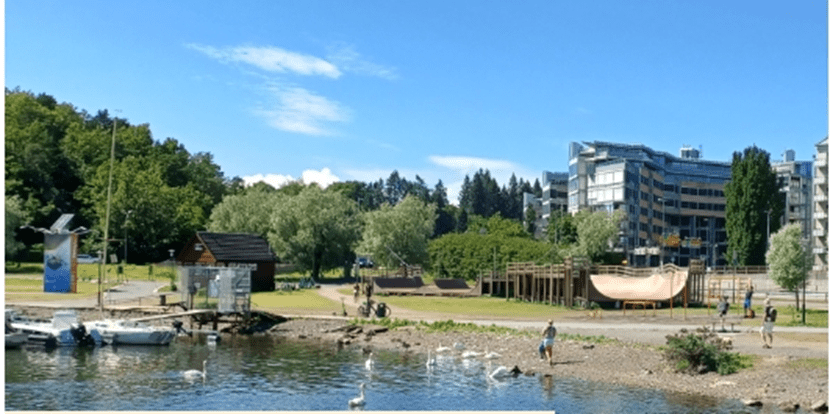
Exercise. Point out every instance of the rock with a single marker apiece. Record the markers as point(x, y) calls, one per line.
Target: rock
point(819, 406)
point(788, 406)
point(752, 403)
point(591, 346)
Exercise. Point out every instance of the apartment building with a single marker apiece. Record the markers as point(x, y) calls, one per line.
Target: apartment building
point(554, 198)
point(796, 180)
point(676, 209)
point(820, 227)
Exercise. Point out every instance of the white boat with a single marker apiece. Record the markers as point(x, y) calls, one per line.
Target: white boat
point(63, 330)
point(16, 340)
point(127, 332)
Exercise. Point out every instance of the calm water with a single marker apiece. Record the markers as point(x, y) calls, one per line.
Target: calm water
point(265, 373)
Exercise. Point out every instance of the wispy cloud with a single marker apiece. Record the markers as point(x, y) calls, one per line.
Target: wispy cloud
point(347, 58)
point(298, 110)
point(461, 166)
point(323, 178)
point(467, 165)
point(271, 59)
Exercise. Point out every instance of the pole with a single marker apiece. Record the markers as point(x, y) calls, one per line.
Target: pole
point(107, 219)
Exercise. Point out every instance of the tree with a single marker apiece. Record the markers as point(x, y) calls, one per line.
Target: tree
point(15, 217)
point(404, 229)
point(315, 229)
point(561, 228)
point(788, 260)
point(596, 231)
point(753, 199)
point(249, 212)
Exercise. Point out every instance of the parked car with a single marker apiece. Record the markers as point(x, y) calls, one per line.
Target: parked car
point(365, 262)
point(87, 258)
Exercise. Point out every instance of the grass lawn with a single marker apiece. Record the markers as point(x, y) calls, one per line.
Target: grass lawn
point(299, 300)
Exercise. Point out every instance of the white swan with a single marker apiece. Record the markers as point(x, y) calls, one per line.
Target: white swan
point(370, 363)
point(442, 349)
point(430, 360)
point(498, 373)
point(491, 355)
point(360, 400)
point(193, 374)
point(470, 354)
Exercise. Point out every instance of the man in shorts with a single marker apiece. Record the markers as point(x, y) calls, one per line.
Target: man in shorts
point(770, 314)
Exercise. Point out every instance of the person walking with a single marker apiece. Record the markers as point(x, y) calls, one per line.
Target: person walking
point(549, 333)
point(770, 314)
point(748, 312)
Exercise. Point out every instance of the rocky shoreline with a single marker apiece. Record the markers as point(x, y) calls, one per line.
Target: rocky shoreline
point(771, 382)
point(779, 383)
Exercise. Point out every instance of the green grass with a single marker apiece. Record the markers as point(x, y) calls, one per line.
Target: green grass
point(482, 306)
point(307, 299)
point(788, 316)
point(808, 363)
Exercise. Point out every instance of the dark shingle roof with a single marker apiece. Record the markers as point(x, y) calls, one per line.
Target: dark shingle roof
point(237, 247)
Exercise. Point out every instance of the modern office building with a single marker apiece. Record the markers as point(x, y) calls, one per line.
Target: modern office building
point(820, 227)
point(675, 206)
point(796, 180)
point(554, 198)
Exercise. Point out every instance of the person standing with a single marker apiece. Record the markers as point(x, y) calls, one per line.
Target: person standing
point(748, 313)
point(549, 333)
point(770, 314)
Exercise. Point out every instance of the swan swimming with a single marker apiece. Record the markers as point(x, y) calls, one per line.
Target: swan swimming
point(498, 373)
point(491, 355)
point(442, 348)
point(360, 400)
point(370, 363)
point(470, 354)
point(193, 374)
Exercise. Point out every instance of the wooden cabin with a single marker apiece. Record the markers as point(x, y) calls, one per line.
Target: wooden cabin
point(232, 250)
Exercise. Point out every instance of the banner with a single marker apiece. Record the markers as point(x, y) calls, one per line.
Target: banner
point(59, 269)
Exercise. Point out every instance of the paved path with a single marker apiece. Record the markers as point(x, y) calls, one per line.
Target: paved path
point(125, 292)
point(799, 342)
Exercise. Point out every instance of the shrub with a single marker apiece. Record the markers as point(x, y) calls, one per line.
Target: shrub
point(702, 351)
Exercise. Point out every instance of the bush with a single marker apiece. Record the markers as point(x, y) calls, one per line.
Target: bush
point(702, 351)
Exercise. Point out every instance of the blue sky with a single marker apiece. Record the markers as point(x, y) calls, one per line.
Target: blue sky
point(352, 90)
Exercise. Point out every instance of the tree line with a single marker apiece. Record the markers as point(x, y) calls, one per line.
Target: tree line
point(58, 161)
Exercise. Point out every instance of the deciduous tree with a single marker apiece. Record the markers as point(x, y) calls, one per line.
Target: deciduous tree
point(788, 260)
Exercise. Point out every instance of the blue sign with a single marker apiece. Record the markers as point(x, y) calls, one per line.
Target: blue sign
point(57, 263)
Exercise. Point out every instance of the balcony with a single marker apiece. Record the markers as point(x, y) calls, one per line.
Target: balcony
point(820, 198)
point(821, 162)
point(819, 250)
point(819, 233)
point(820, 180)
point(820, 215)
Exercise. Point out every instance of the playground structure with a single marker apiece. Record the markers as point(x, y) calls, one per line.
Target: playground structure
point(578, 283)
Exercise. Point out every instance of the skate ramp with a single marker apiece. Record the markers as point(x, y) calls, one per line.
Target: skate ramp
point(658, 286)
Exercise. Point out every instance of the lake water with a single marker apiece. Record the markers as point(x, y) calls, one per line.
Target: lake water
point(270, 373)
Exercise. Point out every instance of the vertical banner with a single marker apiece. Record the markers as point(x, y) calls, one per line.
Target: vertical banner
point(58, 274)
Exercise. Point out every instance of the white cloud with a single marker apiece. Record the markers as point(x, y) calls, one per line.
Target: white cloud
point(301, 111)
point(323, 178)
point(271, 59)
point(274, 180)
point(346, 57)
